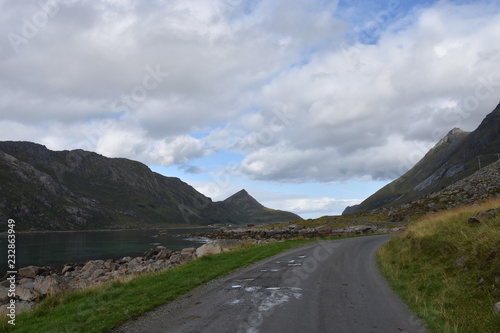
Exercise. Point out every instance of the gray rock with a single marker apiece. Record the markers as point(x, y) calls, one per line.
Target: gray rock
point(97, 273)
point(136, 265)
point(124, 260)
point(4, 294)
point(110, 265)
point(323, 229)
point(189, 250)
point(496, 308)
point(209, 248)
point(185, 257)
point(175, 258)
point(483, 216)
point(67, 268)
point(149, 254)
point(459, 263)
point(164, 254)
point(30, 271)
point(92, 265)
point(26, 282)
point(51, 285)
point(297, 226)
point(25, 294)
point(20, 307)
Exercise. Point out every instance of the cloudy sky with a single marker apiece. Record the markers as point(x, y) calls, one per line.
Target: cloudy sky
point(310, 105)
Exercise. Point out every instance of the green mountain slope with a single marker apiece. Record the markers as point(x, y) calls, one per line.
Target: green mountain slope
point(453, 158)
point(66, 190)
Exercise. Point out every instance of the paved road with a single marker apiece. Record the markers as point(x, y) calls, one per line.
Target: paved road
point(331, 286)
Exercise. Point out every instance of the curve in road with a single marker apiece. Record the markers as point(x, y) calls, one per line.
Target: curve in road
point(330, 286)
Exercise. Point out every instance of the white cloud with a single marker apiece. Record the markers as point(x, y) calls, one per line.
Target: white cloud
point(274, 81)
point(318, 206)
point(179, 151)
point(376, 118)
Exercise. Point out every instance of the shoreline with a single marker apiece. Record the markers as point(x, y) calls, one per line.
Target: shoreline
point(105, 230)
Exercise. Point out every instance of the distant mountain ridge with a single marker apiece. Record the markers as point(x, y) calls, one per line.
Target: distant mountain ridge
point(458, 155)
point(69, 190)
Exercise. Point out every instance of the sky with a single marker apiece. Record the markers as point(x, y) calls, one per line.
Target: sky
point(309, 105)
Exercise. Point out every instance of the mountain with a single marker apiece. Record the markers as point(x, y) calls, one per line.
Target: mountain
point(246, 209)
point(481, 186)
point(70, 190)
point(350, 209)
point(458, 155)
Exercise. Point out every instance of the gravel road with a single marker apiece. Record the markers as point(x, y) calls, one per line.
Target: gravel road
point(331, 286)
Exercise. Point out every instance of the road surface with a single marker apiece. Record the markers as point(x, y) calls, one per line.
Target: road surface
point(331, 286)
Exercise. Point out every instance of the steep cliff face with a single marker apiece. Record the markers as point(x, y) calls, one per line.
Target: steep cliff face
point(64, 190)
point(458, 155)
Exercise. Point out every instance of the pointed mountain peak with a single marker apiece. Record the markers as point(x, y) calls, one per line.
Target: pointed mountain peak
point(243, 197)
point(452, 136)
point(243, 194)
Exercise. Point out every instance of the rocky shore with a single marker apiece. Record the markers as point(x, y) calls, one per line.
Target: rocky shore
point(34, 283)
point(292, 231)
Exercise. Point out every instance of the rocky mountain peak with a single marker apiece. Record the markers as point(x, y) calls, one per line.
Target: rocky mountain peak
point(243, 198)
point(456, 156)
point(452, 136)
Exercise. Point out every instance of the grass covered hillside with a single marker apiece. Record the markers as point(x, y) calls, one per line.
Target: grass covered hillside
point(81, 190)
point(448, 270)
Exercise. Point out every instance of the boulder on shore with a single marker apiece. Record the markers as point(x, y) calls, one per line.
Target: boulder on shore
point(29, 271)
point(51, 285)
point(216, 246)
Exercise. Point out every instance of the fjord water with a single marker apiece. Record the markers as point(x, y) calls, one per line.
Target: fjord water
point(59, 248)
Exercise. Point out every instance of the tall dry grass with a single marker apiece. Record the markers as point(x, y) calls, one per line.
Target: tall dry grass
point(448, 270)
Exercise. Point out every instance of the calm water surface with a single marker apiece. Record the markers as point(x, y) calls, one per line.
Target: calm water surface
point(58, 248)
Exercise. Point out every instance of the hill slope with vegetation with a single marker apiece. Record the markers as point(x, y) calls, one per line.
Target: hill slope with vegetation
point(68, 190)
point(448, 269)
point(458, 155)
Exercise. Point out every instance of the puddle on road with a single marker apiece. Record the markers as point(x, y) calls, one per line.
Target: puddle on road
point(273, 288)
point(274, 270)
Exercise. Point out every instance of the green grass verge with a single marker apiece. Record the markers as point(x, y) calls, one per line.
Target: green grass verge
point(421, 267)
point(101, 309)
